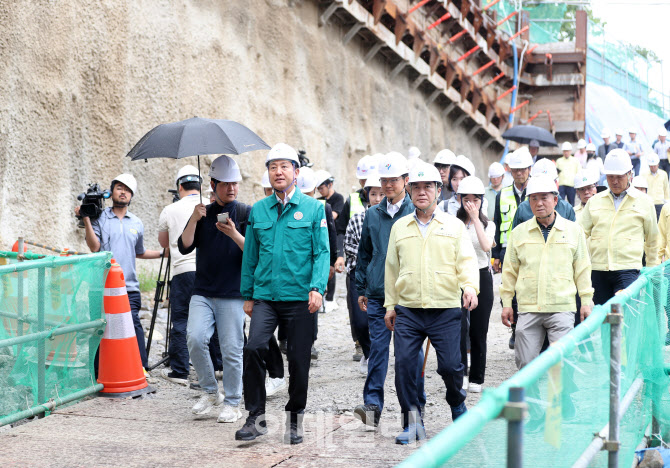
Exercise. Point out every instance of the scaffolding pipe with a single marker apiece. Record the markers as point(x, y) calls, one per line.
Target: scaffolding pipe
point(55, 249)
point(417, 6)
point(48, 334)
point(20, 257)
point(514, 109)
point(495, 78)
point(483, 67)
point(519, 32)
point(506, 93)
point(469, 53)
point(444, 17)
point(457, 36)
point(508, 17)
point(534, 116)
point(490, 5)
point(52, 262)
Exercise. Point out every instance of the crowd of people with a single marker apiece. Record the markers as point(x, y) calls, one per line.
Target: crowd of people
point(418, 244)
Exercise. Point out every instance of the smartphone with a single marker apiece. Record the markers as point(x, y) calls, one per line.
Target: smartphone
point(223, 217)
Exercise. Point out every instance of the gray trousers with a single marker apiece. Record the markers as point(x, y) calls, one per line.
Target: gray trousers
point(531, 329)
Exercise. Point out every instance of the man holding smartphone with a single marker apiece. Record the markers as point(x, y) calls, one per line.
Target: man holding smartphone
point(217, 232)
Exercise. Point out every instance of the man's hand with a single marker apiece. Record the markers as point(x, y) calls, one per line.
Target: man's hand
point(507, 316)
point(198, 212)
point(585, 311)
point(76, 210)
point(339, 264)
point(228, 228)
point(389, 319)
point(248, 307)
point(331, 273)
point(363, 303)
point(497, 267)
point(314, 301)
point(469, 299)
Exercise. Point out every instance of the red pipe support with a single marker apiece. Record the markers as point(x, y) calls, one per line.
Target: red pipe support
point(520, 32)
point(483, 67)
point(417, 6)
point(444, 17)
point(530, 51)
point(490, 5)
point(469, 53)
point(512, 111)
point(506, 93)
point(551, 122)
point(458, 36)
point(534, 116)
point(496, 78)
point(510, 16)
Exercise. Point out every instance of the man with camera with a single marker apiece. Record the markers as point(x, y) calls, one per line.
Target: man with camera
point(119, 231)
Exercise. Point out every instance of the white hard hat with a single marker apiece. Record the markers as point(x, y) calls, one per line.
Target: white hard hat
point(322, 177)
point(662, 132)
point(465, 164)
point(534, 143)
point(424, 172)
point(225, 169)
point(581, 143)
point(618, 131)
point(640, 182)
point(632, 130)
point(393, 164)
point(496, 170)
point(541, 184)
point(373, 181)
point(652, 159)
point(519, 159)
point(445, 156)
point(375, 158)
point(363, 167)
point(189, 173)
point(471, 185)
point(128, 180)
point(617, 162)
point(544, 167)
point(605, 133)
point(306, 180)
point(282, 151)
point(265, 180)
point(566, 146)
point(591, 147)
point(584, 178)
point(413, 152)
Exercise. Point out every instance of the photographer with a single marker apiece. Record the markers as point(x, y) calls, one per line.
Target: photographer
point(122, 233)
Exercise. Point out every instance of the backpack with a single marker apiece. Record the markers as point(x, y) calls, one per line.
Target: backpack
point(241, 221)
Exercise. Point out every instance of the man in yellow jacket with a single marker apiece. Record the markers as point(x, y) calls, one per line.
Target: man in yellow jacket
point(430, 260)
point(657, 183)
point(547, 263)
point(620, 224)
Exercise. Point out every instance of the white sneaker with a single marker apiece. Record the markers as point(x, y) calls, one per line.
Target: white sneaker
point(475, 388)
point(363, 366)
point(165, 373)
point(272, 386)
point(469, 360)
point(218, 375)
point(229, 414)
point(331, 306)
point(466, 383)
point(206, 402)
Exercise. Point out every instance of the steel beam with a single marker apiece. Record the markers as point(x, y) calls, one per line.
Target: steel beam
point(398, 68)
point(352, 33)
point(332, 8)
point(373, 51)
point(433, 96)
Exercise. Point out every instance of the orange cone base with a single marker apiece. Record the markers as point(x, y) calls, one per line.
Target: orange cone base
point(120, 366)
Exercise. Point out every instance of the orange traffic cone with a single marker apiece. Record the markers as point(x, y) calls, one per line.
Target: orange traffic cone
point(120, 367)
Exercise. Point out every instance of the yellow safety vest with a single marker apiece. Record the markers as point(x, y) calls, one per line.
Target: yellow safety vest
point(508, 208)
point(355, 204)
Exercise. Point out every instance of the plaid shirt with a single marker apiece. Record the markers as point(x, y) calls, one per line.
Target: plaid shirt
point(352, 237)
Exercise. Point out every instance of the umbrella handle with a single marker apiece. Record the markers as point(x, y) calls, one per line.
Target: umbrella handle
point(425, 359)
point(199, 177)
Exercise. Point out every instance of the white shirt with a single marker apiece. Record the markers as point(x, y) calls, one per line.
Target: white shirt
point(173, 220)
point(595, 166)
point(393, 208)
point(483, 258)
point(661, 149)
point(287, 197)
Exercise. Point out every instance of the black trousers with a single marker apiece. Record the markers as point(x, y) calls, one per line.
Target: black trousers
point(135, 300)
point(352, 303)
point(665, 165)
point(477, 327)
point(607, 283)
point(358, 318)
point(299, 325)
point(330, 289)
point(569, 192)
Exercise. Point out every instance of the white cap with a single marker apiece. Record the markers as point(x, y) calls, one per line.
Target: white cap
point(581, 143)
point(640, 182)
point(364, 166)
point(591, 147)
point(496, 170)
point(541, 184)
point(128, 180)
point(617, 162)
point(471, 185)
point(662, 132)
point(618, 131)
point(519, 159)
point(413, 152)
point(605, 133)
point(652, 158)
point(566, 146)
point(322, 177)
point(306, 181)
point(265, 180)
point(373, 181)
point(544, 167)
point(282, 151)
point(190, 173)
point(225, 169)
point(534, 143)
point(393, 164)
point(584, 178)
point(465, 164)
point(445, 156)
point(424, 172)
point(632, 130)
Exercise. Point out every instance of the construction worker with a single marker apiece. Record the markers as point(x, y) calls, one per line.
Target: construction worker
point(216, 295)
point(594, 164)
point(620, 226)
point(568, 167)
point(496, 174)
point(586, 186)
point(475, 322)
point(373, 186)
point(581, 154)
point(265, 183)
point(460, 169)
point(119, 231)
point(634, 150)
point(640, 183)
point(606, 147)
point(618, 134)
point(421, 304)
point(284, 274)
point(661, 148)
point(443, 161)
point(507, 201)
point(533, 149)
point(379, 220)
point(657, 182)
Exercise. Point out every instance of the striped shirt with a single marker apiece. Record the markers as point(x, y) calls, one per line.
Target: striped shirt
point(352, 237)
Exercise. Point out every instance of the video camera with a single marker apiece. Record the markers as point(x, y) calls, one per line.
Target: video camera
point(175, 195)
point(92, 203)
point(304, 160)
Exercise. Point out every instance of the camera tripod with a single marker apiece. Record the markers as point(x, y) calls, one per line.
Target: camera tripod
point(162, 287)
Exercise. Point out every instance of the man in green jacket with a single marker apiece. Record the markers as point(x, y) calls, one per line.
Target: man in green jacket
point(284, 274)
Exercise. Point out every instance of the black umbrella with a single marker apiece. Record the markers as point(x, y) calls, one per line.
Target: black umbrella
point(526, 133)
point(195, 137)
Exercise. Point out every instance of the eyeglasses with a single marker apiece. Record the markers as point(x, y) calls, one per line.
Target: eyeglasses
point(395, 180)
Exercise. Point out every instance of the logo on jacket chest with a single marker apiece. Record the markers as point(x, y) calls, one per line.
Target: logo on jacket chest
point(297, 215)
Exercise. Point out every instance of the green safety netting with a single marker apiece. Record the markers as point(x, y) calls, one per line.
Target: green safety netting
point(567, 391)
point(51, 323)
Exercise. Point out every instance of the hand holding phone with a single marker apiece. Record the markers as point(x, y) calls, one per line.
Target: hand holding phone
point(222, 218)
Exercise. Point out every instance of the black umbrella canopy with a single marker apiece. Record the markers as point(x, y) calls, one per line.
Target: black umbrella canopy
point(526, 133)
point(195, 137)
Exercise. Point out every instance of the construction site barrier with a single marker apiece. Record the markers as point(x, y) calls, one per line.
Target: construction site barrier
point(51, 324)
point(588, 400)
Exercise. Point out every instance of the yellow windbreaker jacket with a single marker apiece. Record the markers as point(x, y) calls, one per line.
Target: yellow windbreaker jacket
point(658, 190)
point(664, 234)
point(430, 272)
point(547, 275)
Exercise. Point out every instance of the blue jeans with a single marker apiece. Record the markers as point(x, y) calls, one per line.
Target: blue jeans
point(135, 300)
point(378, 361)
point(607, 283)
point(636, 165)
point(229, 318)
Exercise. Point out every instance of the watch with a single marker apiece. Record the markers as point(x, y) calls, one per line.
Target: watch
point(315, 290)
